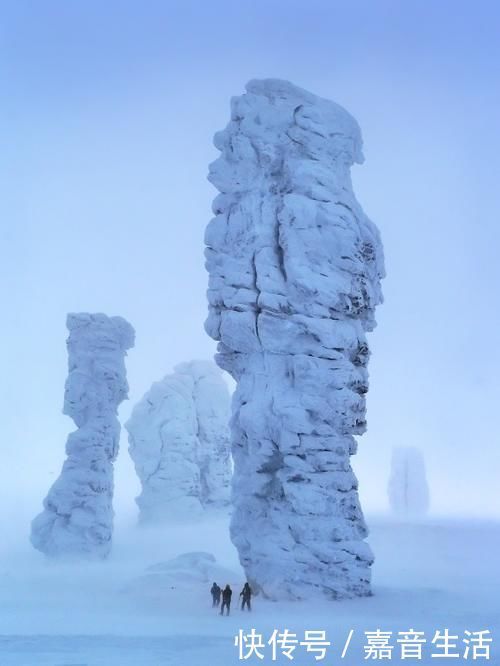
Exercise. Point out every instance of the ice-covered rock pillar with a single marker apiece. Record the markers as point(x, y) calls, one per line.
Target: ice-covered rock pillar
point(77, 520)
point(179, 442)
point(295, 268)
point(211, 401)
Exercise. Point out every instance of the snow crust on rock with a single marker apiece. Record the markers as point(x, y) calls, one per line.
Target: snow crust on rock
point(179, 442)
point(407, 489)
point(294, 278)
point(188, 572)
point(77, 520)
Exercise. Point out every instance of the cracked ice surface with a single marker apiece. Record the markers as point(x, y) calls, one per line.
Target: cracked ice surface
point(295, 268)
point(179, 442)
point(77, 519)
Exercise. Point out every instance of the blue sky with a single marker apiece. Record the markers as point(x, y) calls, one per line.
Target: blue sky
point(107, 112)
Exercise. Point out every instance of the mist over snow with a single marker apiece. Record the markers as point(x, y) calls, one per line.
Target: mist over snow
point(128, 611)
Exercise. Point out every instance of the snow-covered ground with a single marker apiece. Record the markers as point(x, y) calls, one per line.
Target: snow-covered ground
point(427, 576)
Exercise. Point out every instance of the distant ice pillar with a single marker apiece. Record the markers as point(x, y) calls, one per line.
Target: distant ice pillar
point(211, 402)
point(179, 442)
point(407, 488)
point(77, 520)
point(295, 268)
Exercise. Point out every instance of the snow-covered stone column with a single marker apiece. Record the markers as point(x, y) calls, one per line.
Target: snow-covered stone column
point(179, 442)
point(407, 489)
point(77, 520)
point(212, 404)
point(295, 268)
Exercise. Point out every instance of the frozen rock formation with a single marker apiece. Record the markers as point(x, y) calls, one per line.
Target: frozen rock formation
point(407, 489)
point(77, 520)
point(295, 268)
point(179, 442)
point(212, 404)
point(178, 578)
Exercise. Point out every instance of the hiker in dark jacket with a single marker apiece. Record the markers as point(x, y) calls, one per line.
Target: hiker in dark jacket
point(215, 592)
point(246, 594)
point(227, 593)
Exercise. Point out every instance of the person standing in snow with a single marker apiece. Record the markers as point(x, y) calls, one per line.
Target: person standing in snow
point(246, 594)
point(215, 591)
point(227, 593)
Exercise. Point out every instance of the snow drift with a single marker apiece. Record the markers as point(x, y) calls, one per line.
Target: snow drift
point(295, 268)
point(182, 574)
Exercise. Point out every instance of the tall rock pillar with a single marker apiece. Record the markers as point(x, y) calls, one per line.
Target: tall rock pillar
point(77, 520)
point(295, 268)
